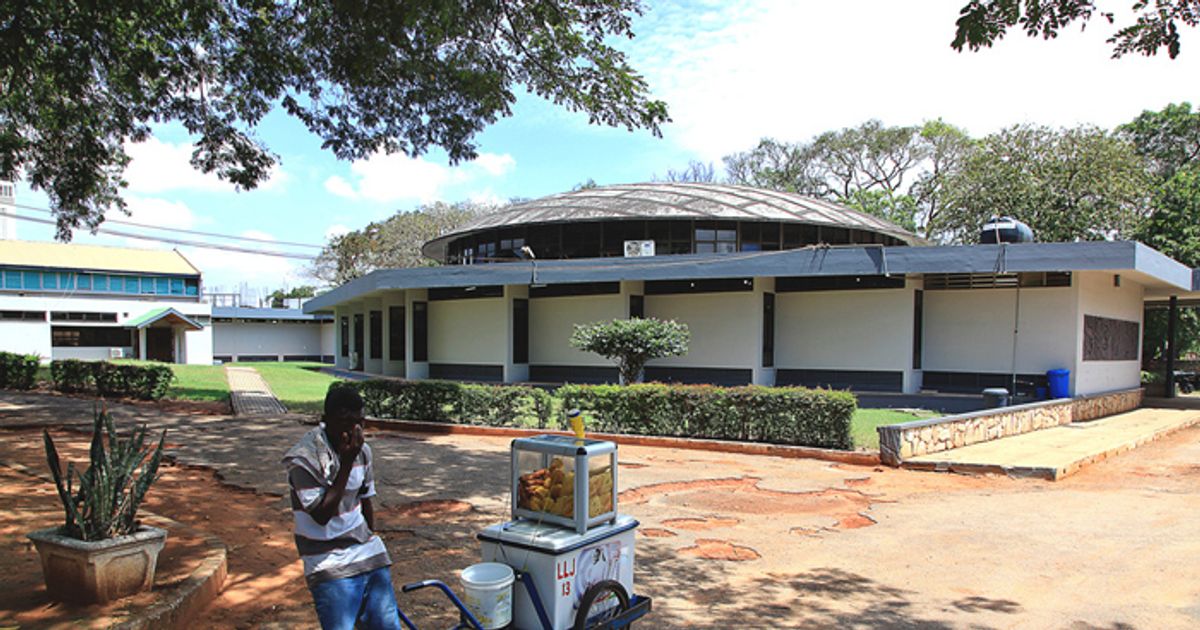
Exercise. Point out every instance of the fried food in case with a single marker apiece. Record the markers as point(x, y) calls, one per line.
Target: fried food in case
point(552, 490)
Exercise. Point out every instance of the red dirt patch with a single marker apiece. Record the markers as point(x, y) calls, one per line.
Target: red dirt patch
point(713, 549)
point(654, 532)
point(701, 524)
point(642, 494)
point(858, 481)
point(855, 522)
point(430, 509)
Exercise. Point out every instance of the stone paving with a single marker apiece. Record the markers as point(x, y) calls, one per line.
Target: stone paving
point(250, 394)
point(1057, 452)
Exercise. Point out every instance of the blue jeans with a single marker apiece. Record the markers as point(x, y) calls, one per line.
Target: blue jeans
point(366, 599)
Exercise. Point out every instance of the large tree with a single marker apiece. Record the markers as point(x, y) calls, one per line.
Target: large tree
point(392, 243)
point(1067, 184)
point(80, 80)
point(981, 23)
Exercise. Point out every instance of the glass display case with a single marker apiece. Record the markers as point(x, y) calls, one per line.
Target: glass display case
point(564, 480)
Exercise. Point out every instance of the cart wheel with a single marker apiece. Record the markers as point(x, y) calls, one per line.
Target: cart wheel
point(1186, 387)
point(599, 596)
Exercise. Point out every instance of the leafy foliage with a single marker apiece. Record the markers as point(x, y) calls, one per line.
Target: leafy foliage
point(1169, 139)
point(72, 375)
point(1078, 183)
point(108, 496)
point(632, 342)
point(983, 22)
point(451, 401)
point(392, 243)
point(279, 297)
point(144, 382)
point(778, 415)
point(81, 80)
point(18, 371)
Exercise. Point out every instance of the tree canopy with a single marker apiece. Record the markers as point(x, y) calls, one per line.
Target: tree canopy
point(392, 243)
point(982, 23)
point(632, 342)
point(81, 80)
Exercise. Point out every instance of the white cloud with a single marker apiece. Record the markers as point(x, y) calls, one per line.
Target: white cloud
point(734, 72)
point(336, 230)
point(157, 212)
point(157, 166)
point(231, 270)
point(397, 177)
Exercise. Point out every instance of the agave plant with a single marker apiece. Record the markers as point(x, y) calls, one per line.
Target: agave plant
point(105, 503)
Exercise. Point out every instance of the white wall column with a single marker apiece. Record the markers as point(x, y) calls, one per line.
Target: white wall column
point(340, 360)
point(142, 343)
point(762, 375)
point(515, 372)
point(414, 369)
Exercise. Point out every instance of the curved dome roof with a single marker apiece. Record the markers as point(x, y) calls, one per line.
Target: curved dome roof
point(674, 200)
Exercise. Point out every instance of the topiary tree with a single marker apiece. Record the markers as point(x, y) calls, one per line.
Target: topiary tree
point(632, 342)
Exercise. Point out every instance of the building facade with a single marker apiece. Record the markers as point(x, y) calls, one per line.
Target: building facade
point(271, 334)
point(63, 301)
point(878, 310)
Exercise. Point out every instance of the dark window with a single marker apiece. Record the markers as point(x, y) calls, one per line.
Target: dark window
point(520, 331)
point(716, 237)
point(376, 334)
point(358, 339)
point(918, 327)
point(72, 316)
point(26, 316)
point(837, 283)
point(637, 306)
point(83, 282)
point(947, 281)
point(176, 286)
point(90, 337)
point(768, 334)
point(581, 240)
point(668, 287)
point(396, 333)
point(581, 288)
point(466, 293)
point(192, 286)
point(420, 331)
point(345, 333)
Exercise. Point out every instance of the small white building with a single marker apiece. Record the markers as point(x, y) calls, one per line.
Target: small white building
point(271, 334)
point(65, 301)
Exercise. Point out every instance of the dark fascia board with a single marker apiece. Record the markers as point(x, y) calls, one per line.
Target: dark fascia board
point(813, 261)
point(243, 312)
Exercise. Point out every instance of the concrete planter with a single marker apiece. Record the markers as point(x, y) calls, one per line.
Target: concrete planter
point(98, 571)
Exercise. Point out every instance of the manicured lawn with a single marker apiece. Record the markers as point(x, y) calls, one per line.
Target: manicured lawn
point(299, 386)
point(194, 382)
point(862, 427)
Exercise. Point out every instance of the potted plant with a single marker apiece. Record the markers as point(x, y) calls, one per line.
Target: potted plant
point(102, 552)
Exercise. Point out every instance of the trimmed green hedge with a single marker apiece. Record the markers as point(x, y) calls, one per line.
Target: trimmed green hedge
point(777, 415)
point(449, 401)
point(18, 371)
point(117, 380)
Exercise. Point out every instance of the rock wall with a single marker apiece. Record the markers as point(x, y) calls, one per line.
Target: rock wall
point(910, 439)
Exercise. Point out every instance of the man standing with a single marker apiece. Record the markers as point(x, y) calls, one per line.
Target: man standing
point(332, 482)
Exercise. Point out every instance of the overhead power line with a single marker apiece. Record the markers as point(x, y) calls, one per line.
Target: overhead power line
point(173, 241)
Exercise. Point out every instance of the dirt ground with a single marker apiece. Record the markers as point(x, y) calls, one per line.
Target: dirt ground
point(725, 539)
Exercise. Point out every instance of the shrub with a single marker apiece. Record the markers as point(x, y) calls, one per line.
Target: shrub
point(632, 342)
point(145, 382)
point(18, 371)
point(449, 401)
point(780, 415)
point(106, 501)
point(72, 375)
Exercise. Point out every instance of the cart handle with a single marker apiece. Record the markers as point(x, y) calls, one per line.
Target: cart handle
point(468, 619)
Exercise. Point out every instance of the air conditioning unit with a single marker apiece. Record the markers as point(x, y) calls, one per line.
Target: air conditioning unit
point(634, 249)
point(116, 353)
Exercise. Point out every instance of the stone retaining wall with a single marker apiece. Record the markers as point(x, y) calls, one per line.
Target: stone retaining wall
point(898, 442)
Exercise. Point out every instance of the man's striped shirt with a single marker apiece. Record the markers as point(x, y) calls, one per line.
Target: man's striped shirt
point(344, 546)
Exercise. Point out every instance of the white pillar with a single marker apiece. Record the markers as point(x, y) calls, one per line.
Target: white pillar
point(514, 372)
point(760, 374)
point(142, 344)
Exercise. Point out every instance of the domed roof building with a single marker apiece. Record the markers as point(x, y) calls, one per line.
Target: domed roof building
point(776, 288)
point(680, 218)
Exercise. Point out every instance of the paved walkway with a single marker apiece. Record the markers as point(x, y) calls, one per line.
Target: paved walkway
point(250, 394)
point(1060, 451)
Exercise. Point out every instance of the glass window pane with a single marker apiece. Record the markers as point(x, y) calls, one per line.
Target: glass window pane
point(148, 285)
point(750, 247)
point(49, 280)
point(162, 286)
point(726, 247)
point(83, 282)
point(706, 235)
point(100, 282)
point(705, 248)
point(176, 286)
point(32, 280)
point(726, 235)
point(193, 287)
point(131, 284)
point(66, 281)
point(12, 280)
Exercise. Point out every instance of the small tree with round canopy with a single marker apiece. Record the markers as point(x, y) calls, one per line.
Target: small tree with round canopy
point(632, 342)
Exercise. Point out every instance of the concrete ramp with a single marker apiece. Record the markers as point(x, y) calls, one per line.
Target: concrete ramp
point(1060, 451)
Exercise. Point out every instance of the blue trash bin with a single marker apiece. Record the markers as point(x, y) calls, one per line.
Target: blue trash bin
point(1060, 383)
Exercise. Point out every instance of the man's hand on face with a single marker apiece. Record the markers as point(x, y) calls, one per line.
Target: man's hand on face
point(351, 444)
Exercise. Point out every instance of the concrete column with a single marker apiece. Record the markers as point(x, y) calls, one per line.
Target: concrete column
point(142, 343)
point(339, 360)
point(1172, 316)
point(372, 365)
point(413, 369)
point(513, 372)
point(762, 375)
point(912, 376)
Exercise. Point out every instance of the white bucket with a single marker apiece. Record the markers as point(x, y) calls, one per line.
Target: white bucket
point(488, 593)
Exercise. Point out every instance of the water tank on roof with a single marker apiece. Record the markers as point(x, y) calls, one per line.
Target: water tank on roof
point(1005, 230)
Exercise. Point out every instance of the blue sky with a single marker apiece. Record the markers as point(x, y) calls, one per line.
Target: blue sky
point(731, 72)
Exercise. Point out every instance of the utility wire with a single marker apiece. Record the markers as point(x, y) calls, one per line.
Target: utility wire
point(173, 241)
point(182, 230)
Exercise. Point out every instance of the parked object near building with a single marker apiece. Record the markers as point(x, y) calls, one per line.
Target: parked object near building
point(65, 301)
point(776, 288)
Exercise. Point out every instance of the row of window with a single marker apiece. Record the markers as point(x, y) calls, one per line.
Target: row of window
point(397, 346)
point(90, 337)
point(31, 280)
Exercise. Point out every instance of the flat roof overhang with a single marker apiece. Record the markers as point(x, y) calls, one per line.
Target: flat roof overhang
point(1140, 263)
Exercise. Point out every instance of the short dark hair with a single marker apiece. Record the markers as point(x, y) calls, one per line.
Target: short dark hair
point(343, 402)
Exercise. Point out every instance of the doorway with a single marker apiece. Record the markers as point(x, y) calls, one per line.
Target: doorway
point(160, 344)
